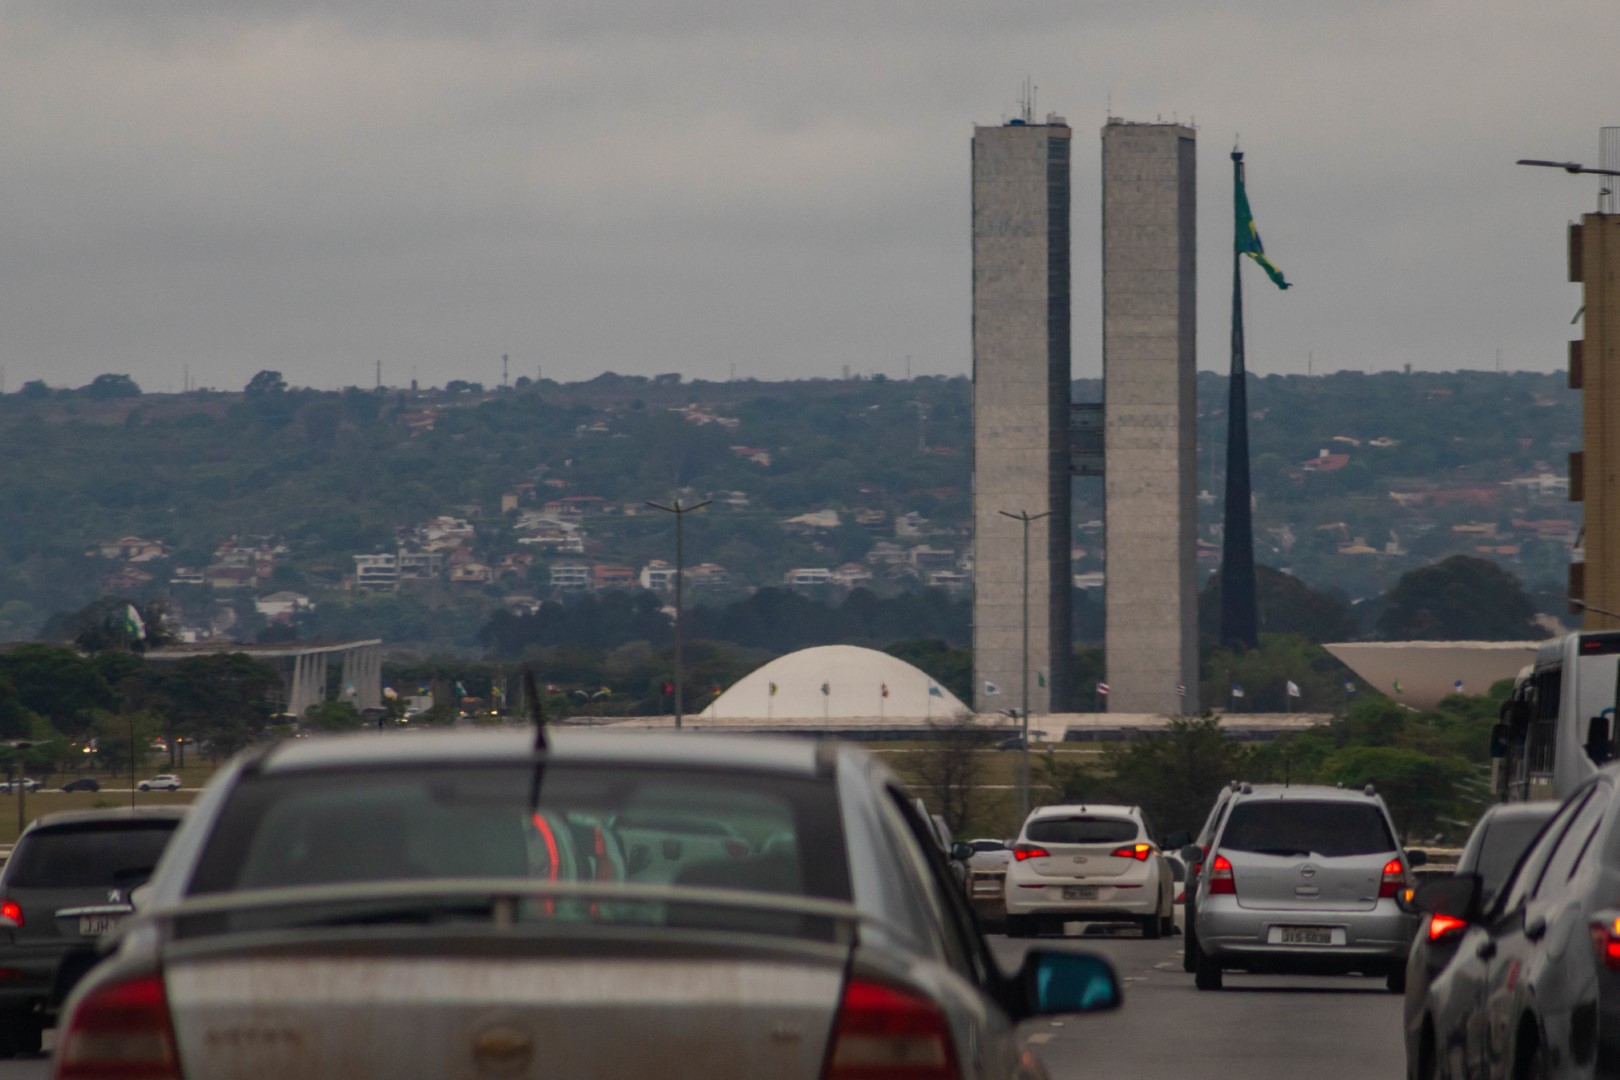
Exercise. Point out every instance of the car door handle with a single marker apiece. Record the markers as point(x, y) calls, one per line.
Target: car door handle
point(1486, 950)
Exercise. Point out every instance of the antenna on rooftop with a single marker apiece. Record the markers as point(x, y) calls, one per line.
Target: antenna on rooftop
point(1026, 101)
point(1608, 158)
point(503, 369)
point(379, 373)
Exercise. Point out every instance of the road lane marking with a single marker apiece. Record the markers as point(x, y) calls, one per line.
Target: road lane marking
point(1040, 1038)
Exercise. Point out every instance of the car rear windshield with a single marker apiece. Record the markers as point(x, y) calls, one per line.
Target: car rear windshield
point(1501, 848)
point(1297, 827)
point(1081, 830)
point(592, 823)
point(80, 856)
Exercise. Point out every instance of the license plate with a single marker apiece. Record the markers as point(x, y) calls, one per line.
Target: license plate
point(987, 887)
point(1304, 935)
point(96, 925)
point(1079, 892)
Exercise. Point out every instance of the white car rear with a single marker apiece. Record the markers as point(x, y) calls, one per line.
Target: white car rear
point(1088, 863)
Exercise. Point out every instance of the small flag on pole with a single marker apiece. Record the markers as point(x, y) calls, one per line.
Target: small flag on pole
point(1181, 689)
point(1349, 686)
point(1040, 679)
point(1398, 688)
point(884, 688)
point(825, 689)
point(1102, 689)
point(1293, 688)
point(134, 626)
point(934, 691)
point(773, 689)
point(991, 688)
point(461, 691)
point(1457, 687)
point(1237, 690)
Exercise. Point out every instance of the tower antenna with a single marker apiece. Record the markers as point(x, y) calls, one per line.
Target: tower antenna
point(503, 369)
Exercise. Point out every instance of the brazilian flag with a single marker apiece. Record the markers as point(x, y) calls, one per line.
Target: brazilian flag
point(1248, 237)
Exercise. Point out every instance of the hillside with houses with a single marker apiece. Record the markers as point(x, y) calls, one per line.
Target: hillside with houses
point(416, 514)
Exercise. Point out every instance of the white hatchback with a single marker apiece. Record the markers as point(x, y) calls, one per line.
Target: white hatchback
point(1088, 863)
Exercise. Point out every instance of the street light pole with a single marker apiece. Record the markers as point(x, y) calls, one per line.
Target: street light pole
point(680, 513)
point(1026, 517)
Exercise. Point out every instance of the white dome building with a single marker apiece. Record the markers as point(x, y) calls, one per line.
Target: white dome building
point(835, 682)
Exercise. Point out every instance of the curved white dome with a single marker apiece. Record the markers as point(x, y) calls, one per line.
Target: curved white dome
point(855, 680)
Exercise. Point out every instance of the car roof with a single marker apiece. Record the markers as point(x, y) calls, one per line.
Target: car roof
point(781, 754)
point(1068, 809)
point(1303, 792)
point(116, 815)
point(1519, 811)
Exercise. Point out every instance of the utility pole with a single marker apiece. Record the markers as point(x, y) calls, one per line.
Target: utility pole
point(680, 513)
point(1023, 782)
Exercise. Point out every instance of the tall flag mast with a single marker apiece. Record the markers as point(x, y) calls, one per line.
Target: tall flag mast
point(1240, 621)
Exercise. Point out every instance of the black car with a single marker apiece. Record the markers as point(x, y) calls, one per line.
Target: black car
point(82, 783)
point(1534, 989)
point(67, 883)
point(1494, 848)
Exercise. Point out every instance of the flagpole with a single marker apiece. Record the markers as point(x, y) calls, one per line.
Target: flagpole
point(1239, 619)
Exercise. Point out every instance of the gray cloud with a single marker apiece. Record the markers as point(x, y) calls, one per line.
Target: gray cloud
point(780, 187)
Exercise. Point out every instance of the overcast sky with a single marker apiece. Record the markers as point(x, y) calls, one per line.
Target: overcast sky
point(776, 186)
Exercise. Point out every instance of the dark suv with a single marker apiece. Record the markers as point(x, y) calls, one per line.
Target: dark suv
point(67, 883)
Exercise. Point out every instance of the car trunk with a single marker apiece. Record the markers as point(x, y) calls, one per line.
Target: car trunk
point(619, 1005)
point(1082, 846)
point(1277, 883)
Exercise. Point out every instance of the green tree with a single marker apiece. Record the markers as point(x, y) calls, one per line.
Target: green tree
point(333, 716)
point(1418, 788)
point(265, 384)
point(1286, 606)
point(1462, 598)
point(1175, 775)
point(110, 387)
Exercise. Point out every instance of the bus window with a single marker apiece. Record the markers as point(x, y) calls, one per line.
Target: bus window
point(1543, 743)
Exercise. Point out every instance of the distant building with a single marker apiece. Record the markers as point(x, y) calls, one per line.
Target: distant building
point(571, 577)
point(614, 577)
point(281, 606)
point(810, 577)
point(376, 572)
point(658, 576)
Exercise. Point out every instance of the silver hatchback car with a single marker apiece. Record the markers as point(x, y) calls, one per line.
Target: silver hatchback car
point(1303, 879)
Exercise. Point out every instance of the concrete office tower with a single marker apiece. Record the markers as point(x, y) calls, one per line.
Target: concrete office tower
point(1594, 369)
point(1150, 406)
point(1021, 412)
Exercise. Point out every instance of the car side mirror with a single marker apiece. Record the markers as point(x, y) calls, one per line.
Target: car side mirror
point(1068, 982)
point(1597, 740)
point(1192, 854)
point(961, 851)
point(1416, 857)
point(1456, 895)
point(138, 896)
point(1179, 839)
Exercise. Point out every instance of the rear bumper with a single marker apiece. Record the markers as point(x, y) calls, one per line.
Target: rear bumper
point(1380, 936)
point(1043, 899)
point(28, 976)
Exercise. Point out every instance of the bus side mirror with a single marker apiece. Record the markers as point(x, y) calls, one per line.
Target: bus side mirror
point(1499, 741)
point(1597, 740)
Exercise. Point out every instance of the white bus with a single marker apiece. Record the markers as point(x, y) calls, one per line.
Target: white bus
point(1558, 728)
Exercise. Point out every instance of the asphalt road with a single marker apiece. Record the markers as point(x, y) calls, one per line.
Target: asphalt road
point(1257, 1028)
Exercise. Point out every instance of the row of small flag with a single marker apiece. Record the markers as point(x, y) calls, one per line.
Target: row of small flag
point(883, 688)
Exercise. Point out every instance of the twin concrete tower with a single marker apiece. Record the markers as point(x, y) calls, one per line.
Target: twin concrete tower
point(1023, 455)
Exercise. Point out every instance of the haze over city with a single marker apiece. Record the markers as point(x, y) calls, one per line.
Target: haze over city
point(768, 188)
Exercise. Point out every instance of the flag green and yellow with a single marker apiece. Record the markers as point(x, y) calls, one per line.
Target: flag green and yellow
point(1248, 237)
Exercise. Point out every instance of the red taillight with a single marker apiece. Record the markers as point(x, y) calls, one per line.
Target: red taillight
point(1393, 881)
point(1221, 882)
point(120, 1031)
point(1029, 851)
point(1606, 940)
point(1446, 927)
point(885, 1032)
point(10, 909)
point(1139, 852)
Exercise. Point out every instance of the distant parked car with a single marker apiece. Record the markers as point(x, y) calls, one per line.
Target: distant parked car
point(161, 782)
point(28, 783)
point(987, 875)
point(83, 783)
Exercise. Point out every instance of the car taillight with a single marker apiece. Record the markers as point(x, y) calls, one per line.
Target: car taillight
point(1446, 927)
point(1029, 851)
point(10, 909)
point(1221, 882)
point(1139, 852)
point(882, 1032)
point(121, 1030)
point(1393, 881)
point(1606, 940)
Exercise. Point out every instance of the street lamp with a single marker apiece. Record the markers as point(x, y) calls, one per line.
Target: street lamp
point(1026, 517)
point(680, 513)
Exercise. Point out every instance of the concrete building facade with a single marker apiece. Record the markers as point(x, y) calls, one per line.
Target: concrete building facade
point(1021, 412)
point(1594, 369)
point(1149, 232)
